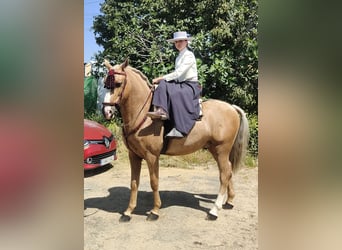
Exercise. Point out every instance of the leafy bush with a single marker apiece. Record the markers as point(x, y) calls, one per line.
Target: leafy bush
point(253, 135)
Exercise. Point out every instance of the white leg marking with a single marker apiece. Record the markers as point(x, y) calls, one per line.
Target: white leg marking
point(218, 203)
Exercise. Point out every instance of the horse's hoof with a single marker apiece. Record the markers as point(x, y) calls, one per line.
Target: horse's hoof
point(211, 217)
point(227, 206)
point(152, 217)
point(125, 218)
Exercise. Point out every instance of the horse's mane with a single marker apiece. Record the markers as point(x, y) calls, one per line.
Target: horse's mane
point(141, 75)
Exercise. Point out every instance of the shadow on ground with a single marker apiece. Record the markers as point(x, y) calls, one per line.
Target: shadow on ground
point(118, 198)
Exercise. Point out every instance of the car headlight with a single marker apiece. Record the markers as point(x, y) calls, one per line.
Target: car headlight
point(85, 144)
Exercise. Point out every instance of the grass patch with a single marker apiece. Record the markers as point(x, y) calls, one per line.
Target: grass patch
point(251, 161)
point(199, 158)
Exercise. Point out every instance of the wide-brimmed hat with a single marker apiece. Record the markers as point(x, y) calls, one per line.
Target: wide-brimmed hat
point(180, 35)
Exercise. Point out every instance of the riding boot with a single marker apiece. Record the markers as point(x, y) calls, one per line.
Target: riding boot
point(159, 113)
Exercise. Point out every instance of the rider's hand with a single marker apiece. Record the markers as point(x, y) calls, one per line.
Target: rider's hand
point(156, 80)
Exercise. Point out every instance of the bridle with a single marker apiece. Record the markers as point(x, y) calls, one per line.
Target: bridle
point(111, 84)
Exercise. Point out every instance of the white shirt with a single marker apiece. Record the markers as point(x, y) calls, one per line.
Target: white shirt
point(185, 67)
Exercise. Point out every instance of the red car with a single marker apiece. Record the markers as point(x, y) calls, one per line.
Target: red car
point(99, 145)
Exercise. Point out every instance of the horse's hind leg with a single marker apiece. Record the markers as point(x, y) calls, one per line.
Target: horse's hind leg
point(231, 194)
point(135, 162)
point(225, 169)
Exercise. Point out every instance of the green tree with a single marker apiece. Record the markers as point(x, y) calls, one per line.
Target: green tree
point(225, 43)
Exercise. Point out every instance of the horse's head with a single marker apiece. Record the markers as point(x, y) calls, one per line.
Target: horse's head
point(115, 81)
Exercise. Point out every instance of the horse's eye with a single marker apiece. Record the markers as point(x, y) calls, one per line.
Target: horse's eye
point(117, 85)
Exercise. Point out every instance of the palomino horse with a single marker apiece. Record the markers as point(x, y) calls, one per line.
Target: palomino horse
point(223, 130)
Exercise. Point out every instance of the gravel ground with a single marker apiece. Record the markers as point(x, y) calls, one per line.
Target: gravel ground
point(186, 194)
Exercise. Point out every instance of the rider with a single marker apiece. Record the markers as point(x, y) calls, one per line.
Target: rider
point(177, 95)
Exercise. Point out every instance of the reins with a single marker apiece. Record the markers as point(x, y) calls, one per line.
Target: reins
point(143, 120)
point(111, 84)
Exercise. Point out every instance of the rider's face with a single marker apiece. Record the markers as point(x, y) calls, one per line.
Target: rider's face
point(180, 45)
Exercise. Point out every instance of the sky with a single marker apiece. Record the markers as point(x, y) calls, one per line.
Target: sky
point(91, 9)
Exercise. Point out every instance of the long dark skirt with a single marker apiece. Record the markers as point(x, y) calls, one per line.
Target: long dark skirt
point(181, 101)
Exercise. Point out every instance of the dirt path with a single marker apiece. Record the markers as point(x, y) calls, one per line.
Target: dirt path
point(186, 194)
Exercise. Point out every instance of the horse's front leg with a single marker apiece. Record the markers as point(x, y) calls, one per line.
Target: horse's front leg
point(135, 162)
point(153, 166)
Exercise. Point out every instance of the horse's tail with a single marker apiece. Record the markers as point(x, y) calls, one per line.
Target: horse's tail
point(239, 150)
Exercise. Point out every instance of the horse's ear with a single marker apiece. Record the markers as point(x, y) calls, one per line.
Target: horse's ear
point(107, 64)
point(125, 64)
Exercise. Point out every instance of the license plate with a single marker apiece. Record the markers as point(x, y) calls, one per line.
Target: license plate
point(107, 160)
